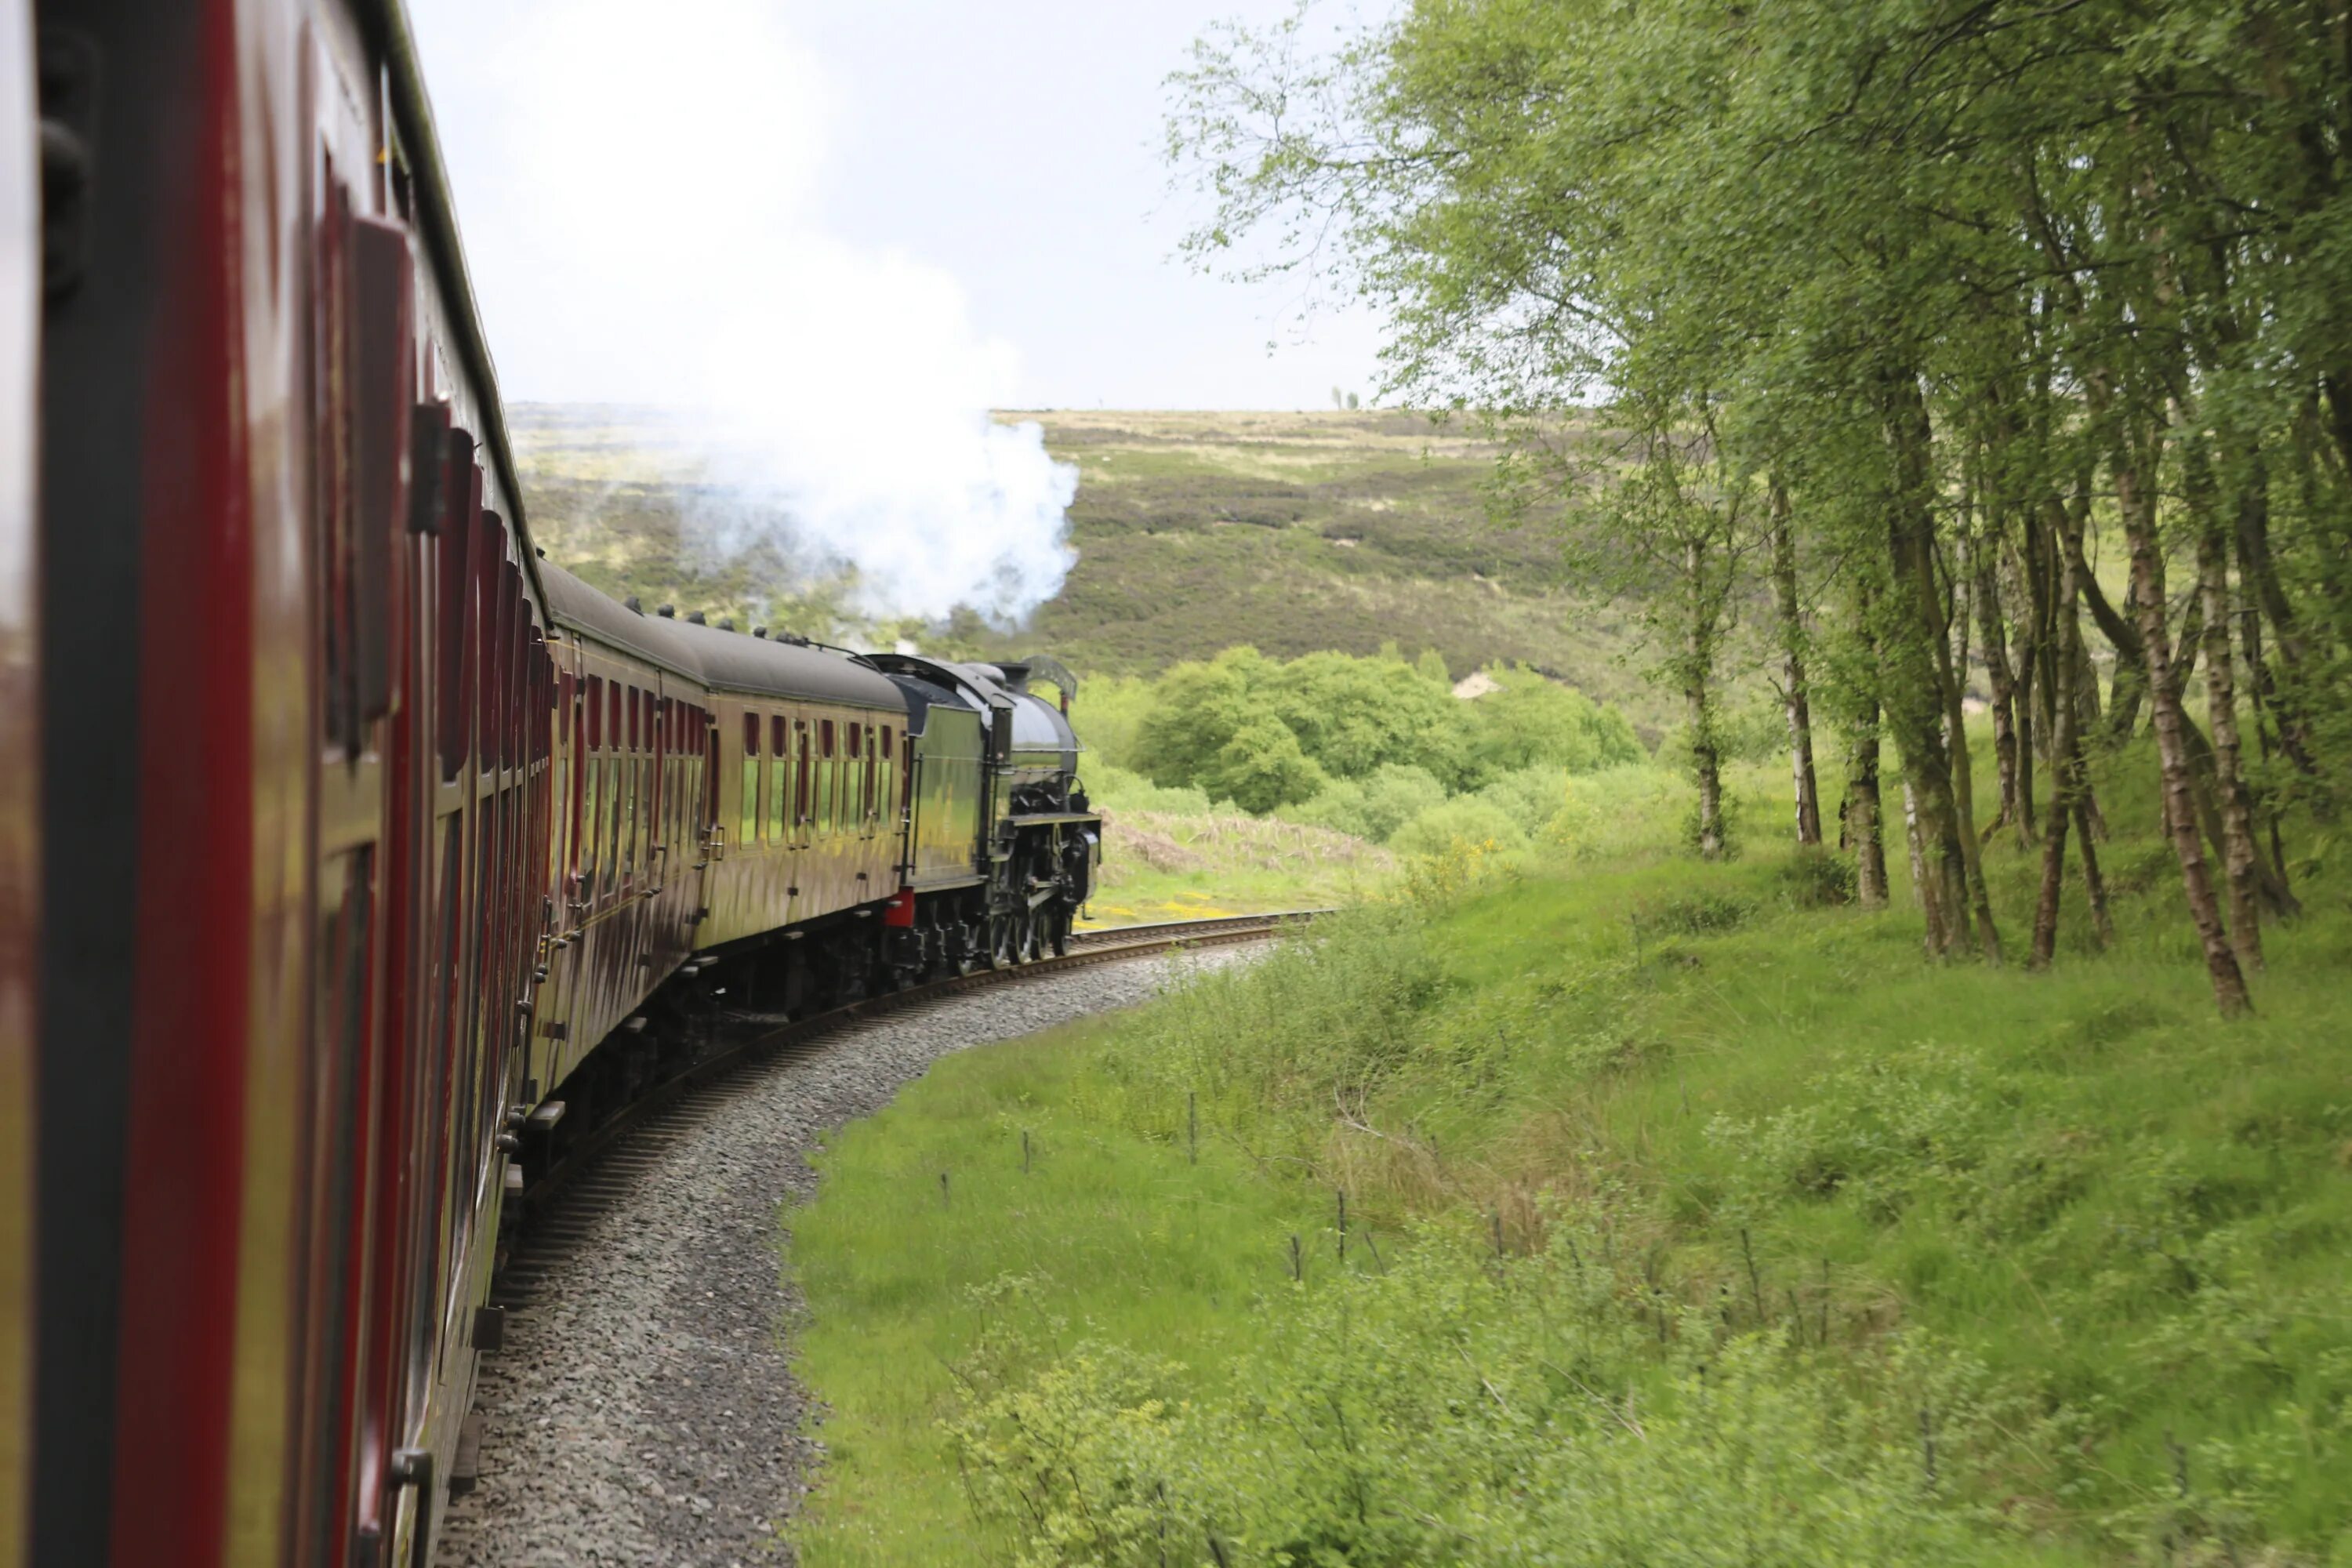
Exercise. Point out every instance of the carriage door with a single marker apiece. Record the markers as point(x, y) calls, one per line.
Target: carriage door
point(361, 403)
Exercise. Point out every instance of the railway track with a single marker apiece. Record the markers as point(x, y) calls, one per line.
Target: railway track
point(640, 1364)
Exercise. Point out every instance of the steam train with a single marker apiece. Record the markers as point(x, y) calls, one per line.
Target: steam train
point(351, 856)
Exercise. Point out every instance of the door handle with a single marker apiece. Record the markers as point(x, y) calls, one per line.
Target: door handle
point(413, 1468)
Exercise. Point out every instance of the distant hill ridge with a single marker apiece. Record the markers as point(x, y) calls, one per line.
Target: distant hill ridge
point(1289, 531)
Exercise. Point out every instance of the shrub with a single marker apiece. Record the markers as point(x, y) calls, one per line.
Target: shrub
point(1817, 879)
point(1335, 1006)
point(1533, 721)
point(1697, 914)
point(1466, 1409)
point(1467, 819)
point(1115, 789)
point(1373, 809)
point(1260, 767)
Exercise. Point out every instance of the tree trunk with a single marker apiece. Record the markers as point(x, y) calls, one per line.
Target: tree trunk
point(2135, 498)
point(1864, 813)
point(2065, 777)
point(1795, 701)
point(2266, 802)
point(1984, 554)
point(1706, 766)
point(2239, 854)
point(2093, 884)
point(1698, 699)
point(2259, 573)
point(2070, 799)
point(1919, 893)
point(2030, 587)
point(1920, 698)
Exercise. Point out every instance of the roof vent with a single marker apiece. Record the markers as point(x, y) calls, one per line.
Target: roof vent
point(665, 611)
point(632, 606)
point(539, 550)
point(726, 624)
point(693, 619)
point(759, 631)
point(793, 637)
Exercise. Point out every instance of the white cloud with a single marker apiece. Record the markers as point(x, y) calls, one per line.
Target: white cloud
point(638, 184)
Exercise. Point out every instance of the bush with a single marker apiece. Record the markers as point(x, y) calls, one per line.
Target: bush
point(1356, 718)
point(1697, 914)
point(1115, 789)
point(1376, 807)
point(1467, 819)
point(1817, 879)
point(1334, 1007)
point(1262, 767)
point(1466, 1409)
point(1532, 721)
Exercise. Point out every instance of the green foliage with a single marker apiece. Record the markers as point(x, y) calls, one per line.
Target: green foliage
point(1534, 722)
point(1353, 715)
point(1115, 789)
point(1817, 879)
point(1332, 1011)
point(1375, 807)
point(1262, 765)
point(1910, 299)
point(1197, 707)
point(1460, 1408)
point(1705, 912)
point(1372, 743)
point(1470, 819)
point(2095, 1236)
point(1111, 709)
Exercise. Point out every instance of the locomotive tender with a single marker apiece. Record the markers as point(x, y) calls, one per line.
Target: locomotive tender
point(351, 856)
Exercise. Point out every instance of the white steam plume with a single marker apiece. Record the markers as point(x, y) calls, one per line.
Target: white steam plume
point(638, 187)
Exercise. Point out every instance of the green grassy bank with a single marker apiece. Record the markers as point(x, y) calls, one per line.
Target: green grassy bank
point(1691, 1218)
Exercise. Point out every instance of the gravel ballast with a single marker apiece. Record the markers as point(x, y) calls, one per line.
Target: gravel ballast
point(643, 1410)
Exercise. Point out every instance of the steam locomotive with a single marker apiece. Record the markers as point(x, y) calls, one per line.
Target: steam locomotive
point(351, 856)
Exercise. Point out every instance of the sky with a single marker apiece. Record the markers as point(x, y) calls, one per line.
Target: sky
point(976, 186)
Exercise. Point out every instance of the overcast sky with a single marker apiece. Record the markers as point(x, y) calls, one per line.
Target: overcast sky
point(1003, 154)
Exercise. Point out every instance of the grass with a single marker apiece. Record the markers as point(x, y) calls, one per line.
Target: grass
point(1178, 864)
point(2096, 1234)
point(1107, 1233)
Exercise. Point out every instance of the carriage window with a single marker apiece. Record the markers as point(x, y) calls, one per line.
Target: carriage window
point(639, 803)
point(612, 718)
point(750, 804)
point(595, 711)
point(779, 784)
point(855, 730)
point(821, 813)
point(567, 769)
point(801, 778)
point(623, 784)
point(865, 789)
point(631, 703)
point(588, 831)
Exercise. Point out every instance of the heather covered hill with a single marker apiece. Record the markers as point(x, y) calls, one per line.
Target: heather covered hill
point(1292, 533)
